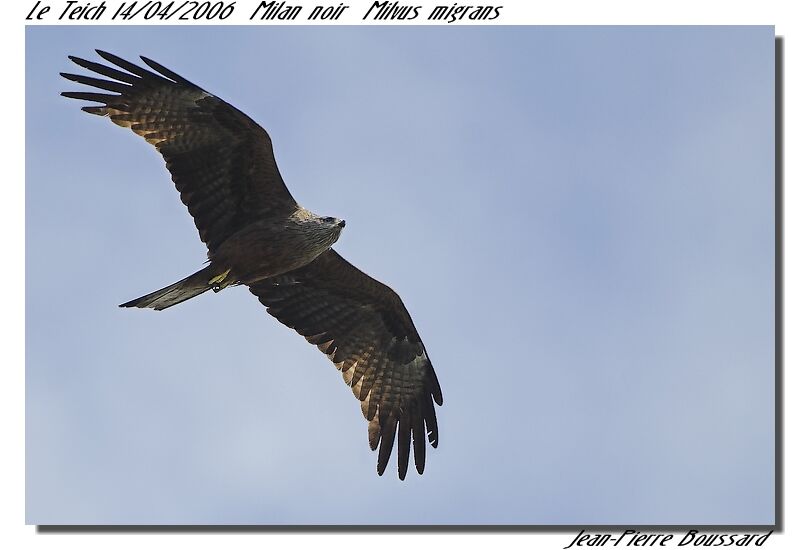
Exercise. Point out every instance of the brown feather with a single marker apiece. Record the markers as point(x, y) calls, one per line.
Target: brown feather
point(220, 160)
point(364, 324)
point(403, 445)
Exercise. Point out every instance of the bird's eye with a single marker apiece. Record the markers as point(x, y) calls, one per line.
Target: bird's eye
point(328, 219)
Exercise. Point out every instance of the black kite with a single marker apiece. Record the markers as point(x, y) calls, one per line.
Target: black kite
point(257, 235)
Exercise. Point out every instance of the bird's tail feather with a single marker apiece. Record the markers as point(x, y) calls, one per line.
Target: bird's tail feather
point(191, 286)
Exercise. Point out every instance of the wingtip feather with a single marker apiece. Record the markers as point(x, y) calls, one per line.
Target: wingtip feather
point(100, 111)
point(78, 60)
point(159, 68)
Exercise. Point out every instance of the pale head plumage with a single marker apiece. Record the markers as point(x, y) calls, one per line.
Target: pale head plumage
point(319, 231)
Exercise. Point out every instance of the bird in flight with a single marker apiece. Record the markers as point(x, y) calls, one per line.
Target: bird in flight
point(223, 166)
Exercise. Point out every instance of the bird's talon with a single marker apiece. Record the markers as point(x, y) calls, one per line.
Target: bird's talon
point(218, 279)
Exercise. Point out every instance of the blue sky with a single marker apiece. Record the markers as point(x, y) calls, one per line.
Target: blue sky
point(580, 220)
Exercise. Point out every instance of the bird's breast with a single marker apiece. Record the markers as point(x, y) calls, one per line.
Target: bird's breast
point(266, 250)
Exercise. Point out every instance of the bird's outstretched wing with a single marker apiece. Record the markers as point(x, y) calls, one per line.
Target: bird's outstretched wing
point(364, 328)
point(220, 160)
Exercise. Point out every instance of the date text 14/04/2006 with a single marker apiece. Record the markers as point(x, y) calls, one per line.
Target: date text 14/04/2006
point(693, 537)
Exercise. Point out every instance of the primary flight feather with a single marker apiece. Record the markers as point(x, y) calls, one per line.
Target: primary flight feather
point(257, 235)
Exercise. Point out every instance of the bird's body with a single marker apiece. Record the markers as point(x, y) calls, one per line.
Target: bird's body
point(267, 247)
point(257, 235)
point(284, 244)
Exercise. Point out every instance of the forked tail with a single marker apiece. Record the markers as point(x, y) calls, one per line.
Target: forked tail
point(191, 286)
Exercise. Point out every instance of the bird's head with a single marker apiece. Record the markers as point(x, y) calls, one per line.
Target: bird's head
point(334, 223)
point(320, 230)
point(332, 228)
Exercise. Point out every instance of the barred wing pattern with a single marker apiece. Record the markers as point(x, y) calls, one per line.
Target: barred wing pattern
point(364, 328)
point(221, 161)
